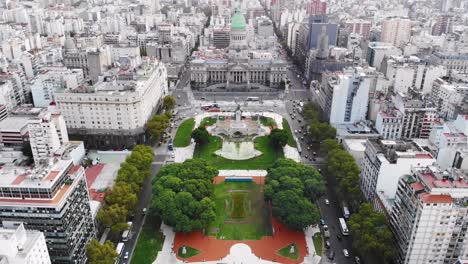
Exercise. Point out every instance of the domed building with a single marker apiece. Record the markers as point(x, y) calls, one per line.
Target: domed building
point(239, 67)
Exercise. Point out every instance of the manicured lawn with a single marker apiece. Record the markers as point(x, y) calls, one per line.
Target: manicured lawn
point(183, 135)
point(318, 243)
point(264, 161)
point(253, 225)
point(149, 242)
point(291, 141)
point(238, 199)
point(190, 252)
point(207, 121)
point(285, 252)
point(267, 121)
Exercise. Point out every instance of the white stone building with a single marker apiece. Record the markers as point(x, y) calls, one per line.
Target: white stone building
point(446, 95)
point(21, 246)
point(117, 108)
point(385, 161)
point(376, 51)
point(396, 31)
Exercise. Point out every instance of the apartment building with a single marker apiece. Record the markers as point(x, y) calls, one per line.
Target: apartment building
point(21, 246)
point(418, 115)
point(51, 198)
point(447, 95)
point(385, 161)
point(429, 216)
point(343, 96)
point(113, 112)
point(389, 122)
point(396, 30)
point(359, 26)
point(376, 52)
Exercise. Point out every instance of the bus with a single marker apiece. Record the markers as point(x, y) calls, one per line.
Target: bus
point(345, 211)
point(344, 227)
point(253, 99)
point(207, 107)
point(119, 248)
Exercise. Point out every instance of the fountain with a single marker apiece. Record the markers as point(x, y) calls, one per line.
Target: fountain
point(238, 135)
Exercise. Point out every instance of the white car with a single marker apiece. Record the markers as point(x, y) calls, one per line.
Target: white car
point(327, 202)
point(126, 255)
point(295, 131)
point(345, 253)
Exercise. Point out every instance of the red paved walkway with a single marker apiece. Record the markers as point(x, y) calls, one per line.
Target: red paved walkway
point(214, 249)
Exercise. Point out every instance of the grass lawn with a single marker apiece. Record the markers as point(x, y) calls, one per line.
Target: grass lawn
point(291, 141)
point(149, 242)
point(267, 121)
point(264, 161)
point(183, 135)
point(285, 252)
point(207, 121)
point(318, 243)
point(238, 200)
point(190, 252)
point(254, 225)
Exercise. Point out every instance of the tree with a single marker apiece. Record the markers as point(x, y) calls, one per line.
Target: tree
point(101, 254)
point(294, 210)
point(279, 137)
point(157, 125)
point(169, 102)
point(114, 217)
point(123, 195)
point(371, 233)
point(181, 195)
point(329, 145)
point(291, 187)
point(200, 135)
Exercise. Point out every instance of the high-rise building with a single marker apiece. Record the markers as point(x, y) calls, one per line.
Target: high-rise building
point(443, 25)
point(51, 198)
point(429, 216)
point(343, 96)
point(359, 26)
point(385, 161)
point(396, 30)
point(376, 52)
point(316, 7)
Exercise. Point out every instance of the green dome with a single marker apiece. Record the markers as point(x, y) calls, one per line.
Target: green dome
point(238, 21)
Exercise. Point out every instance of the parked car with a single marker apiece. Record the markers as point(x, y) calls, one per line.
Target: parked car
point(331, 255)
point(322, 222)
point(357, 260)
point(327, 244)
point(346, 253)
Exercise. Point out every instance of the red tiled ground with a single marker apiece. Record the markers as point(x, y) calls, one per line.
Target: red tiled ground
point(92, 173)
point(265, 248)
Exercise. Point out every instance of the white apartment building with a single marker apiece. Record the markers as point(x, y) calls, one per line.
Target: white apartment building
point(117, 108)
point(396, 30)
point(429, 216)
point(7, 95)
point(389, 123)
point(52, 79)
point(376, 52)
point(385, 161)
point(21, 246)
point(410, 72)
point(344, 95)
point(446, 95)
point(418, 117)
point(46, 135)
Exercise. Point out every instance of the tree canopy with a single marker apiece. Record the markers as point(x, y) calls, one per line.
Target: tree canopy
point(157, 125)
point(169, 102)
point(291, 187)
point(101, 254)
point(181, 195)
point(318, 130)
point(200, 135)
point(279, 137)
point(371, 233)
